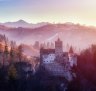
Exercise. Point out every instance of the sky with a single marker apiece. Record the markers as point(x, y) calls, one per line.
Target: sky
point(54, 11)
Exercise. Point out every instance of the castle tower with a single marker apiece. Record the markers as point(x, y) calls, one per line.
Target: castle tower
point(58, 48)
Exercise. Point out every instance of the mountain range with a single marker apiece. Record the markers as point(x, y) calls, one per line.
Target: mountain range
point(22, 23)
point(79, 36)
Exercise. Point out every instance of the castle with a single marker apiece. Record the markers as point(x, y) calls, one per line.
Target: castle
point(56, 61)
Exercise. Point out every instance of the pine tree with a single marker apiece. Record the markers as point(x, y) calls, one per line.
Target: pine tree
point(12, 51)
point(12, 72)
point(20, 52)
point(6, 55)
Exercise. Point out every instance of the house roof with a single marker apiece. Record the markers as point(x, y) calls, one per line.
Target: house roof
point(47, 51)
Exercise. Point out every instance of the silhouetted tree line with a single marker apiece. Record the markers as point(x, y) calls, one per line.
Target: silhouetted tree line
point(10, 52)
point(86, 69)
point(14, 78)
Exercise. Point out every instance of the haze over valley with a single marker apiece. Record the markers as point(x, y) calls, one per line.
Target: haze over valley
point(77, 35)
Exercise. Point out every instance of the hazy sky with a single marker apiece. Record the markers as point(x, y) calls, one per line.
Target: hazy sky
point(77, 11)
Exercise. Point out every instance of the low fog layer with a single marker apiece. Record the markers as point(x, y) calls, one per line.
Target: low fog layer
point(71, 34)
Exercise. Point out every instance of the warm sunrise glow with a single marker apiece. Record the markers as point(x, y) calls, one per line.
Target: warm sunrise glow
point(58, 11)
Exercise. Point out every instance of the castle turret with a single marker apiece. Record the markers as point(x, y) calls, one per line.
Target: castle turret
point(71, 52)
point(72, 57)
